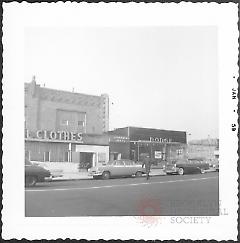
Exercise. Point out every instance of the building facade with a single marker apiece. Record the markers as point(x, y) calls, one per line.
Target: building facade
point(63, 126)
point(207, 149)
point(134, 143)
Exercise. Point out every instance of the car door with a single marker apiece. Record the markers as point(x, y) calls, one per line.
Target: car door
point(118, 168)
point(195, 166)
point(129, 167)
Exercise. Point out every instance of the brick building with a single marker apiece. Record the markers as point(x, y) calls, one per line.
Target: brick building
point(207, 149)
point(63, 126)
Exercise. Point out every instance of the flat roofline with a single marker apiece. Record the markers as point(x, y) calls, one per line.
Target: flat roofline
point(147, 128)
point(65, 91)
point(64, 141)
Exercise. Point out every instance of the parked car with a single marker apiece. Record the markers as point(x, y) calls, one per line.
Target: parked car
point(217, 167)
point(186, 167)
point(214, 165)
point(55, 172)
point(35, 173)
point(117, 168)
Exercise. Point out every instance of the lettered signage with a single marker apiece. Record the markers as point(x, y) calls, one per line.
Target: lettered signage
point(56, 135)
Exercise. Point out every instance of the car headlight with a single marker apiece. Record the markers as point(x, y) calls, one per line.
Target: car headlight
point(94, 170)
point(99, 170)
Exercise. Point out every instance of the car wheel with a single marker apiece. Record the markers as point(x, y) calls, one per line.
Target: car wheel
point(202, 171)
point(138, 174)
point(181, 171)
point(105, 175)
point(30, 180)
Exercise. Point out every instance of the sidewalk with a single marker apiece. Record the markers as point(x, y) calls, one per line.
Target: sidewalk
point(84, 175)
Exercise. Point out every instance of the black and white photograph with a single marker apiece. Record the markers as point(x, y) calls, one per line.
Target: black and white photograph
point(132, 122)
point(140, 103)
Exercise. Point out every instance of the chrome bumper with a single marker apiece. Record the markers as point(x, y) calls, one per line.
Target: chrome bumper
point(94, 173)
point(48, 179)
point(171, 171)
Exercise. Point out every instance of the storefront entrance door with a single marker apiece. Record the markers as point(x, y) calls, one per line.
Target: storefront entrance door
point(86, 160)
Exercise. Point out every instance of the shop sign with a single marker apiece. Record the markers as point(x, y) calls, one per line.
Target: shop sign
point(55, 135)
point(158, 155)
point(119, 139)
point(156, 135)
point(160, 140)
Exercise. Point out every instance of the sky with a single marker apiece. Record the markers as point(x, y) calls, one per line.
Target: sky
point(156, 77)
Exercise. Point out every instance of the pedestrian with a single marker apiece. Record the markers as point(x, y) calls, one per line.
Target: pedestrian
point(147, 164)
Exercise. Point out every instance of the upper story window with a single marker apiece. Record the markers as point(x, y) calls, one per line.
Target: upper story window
point(64, 122)
point(81, 123)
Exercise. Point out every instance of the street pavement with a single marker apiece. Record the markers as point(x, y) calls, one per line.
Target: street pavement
point(170, 195)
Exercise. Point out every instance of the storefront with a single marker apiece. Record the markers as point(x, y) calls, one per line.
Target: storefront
point(160, 145)
point(61, 146)
point(119, 147)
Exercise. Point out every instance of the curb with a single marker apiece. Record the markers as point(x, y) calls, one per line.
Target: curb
point(71, 179)
point(91, 178)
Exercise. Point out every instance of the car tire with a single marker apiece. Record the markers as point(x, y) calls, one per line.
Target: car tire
point(181, 171)
point(30, 181)
point(106, 175)
point(202, 171)
point(138, 174)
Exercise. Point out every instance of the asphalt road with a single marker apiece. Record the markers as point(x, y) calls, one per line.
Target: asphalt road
point(195, 195)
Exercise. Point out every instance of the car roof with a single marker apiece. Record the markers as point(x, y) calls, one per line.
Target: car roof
point(122, 160)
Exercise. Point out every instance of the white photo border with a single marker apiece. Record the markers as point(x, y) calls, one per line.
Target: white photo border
point(17, 17)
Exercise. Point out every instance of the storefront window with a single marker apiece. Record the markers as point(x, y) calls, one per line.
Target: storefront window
point(46, 156)
point(66, 156)
point(101, 157)
point(158, 154)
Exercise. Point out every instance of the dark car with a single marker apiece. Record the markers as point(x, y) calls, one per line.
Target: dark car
point(186, 167)
point(217, 167)
point(35, 173)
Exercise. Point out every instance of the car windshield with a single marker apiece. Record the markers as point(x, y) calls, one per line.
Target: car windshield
point(110, 163)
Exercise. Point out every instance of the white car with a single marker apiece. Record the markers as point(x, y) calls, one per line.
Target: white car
point(117, 168)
